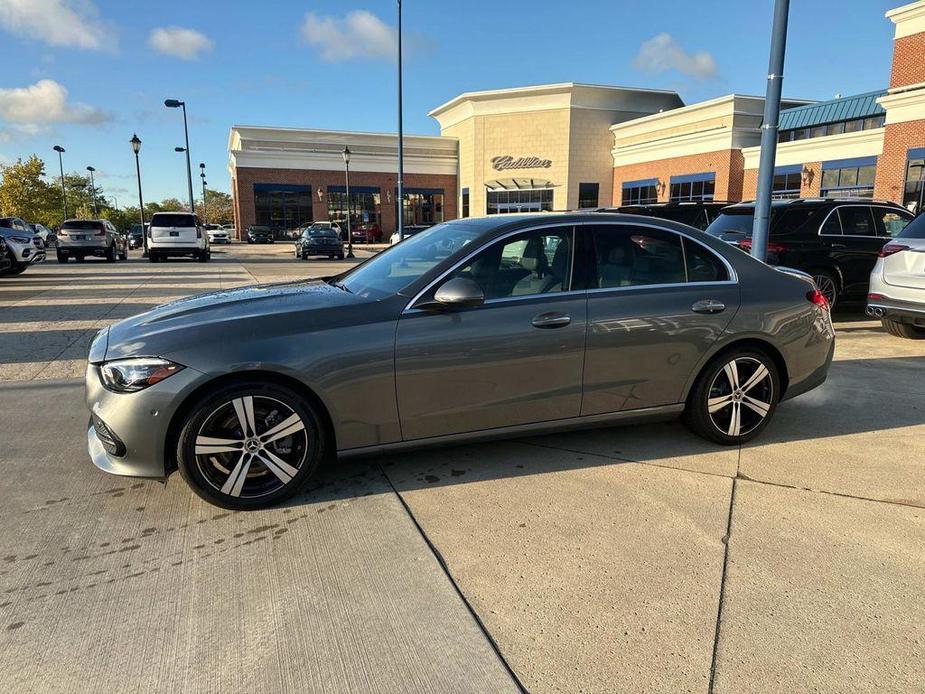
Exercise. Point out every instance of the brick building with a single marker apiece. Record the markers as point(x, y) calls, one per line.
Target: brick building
point(566, 146)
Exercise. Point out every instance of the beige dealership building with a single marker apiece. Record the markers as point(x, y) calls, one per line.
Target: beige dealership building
point(568, 146)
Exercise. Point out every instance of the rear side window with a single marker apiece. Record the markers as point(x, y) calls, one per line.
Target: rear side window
point(173, 219)
point(890, 222)
point(83, 225)
point(702, 264)
point(915, 229)
point(831, 226)
point(856, 220)
point(627, 256)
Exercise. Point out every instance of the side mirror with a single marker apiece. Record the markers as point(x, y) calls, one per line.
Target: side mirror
point(459, 292)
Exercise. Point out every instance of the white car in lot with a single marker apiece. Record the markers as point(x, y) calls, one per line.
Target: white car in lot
point(897, 283)
point(217, 233)
point(177, 234)
point(23, 247)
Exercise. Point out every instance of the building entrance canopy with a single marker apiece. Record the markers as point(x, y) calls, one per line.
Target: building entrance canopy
point(519, 184)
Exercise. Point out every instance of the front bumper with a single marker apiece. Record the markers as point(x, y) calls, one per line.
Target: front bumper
point(141, 421)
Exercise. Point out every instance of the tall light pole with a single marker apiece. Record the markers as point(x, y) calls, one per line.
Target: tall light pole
point(60, 150)
point(96, 212)
point(347, 179)
point(202, 175)
point(401, 144)
point(173, 103)
point(136, 146)
point(769, 130)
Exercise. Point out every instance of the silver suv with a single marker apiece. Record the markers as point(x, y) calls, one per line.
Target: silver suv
point(177, 234)
point(897, 284)
point(79, 238)
point(23, 247)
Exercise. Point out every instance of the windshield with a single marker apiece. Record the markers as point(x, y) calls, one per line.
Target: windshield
point(396, 268)
point(915, 229)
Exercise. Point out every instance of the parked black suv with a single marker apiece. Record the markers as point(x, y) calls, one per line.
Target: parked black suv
point(836, 240)
point(696, 214)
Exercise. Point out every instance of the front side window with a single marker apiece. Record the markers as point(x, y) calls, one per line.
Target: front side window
point(856, 220)
point(536, 262)
point(627, 256)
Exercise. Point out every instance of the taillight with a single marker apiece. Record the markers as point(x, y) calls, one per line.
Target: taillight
point(875, 297)
point(746, 244)
point(198, 233)
point(817, 297)
point(892, 248)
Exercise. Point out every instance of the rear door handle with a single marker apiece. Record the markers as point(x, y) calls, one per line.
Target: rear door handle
point(551, 320)
point(708, 306)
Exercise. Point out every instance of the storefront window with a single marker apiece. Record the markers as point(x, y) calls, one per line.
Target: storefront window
point(786, 183)
point(915, 170)
point(513, 201)
point(588, 194)
point(282, 206)
point(849, 178)
point(849, 126)
point(422, 206)
point(699, 186)
point(364, 205)
point(465, 202)
point(640, 192)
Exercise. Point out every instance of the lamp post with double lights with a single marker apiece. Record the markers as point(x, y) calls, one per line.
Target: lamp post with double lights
point(96, 212)
point(202, 175)
point(174, 103)
point(347, 180)
point(60, 150)
point(136, 147)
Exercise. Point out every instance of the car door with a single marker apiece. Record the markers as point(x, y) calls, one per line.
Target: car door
point(515, 359)
point(658, 301)
point(859, 245)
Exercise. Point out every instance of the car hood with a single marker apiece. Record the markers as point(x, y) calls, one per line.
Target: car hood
point(231, 314)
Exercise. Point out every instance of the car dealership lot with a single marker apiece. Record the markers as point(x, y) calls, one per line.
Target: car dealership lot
point(633, 559)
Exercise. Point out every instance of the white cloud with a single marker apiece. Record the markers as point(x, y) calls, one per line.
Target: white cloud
point(359, 35)
point(662, 53)
point(178, 42)
point(30, 110)
point(71, 23)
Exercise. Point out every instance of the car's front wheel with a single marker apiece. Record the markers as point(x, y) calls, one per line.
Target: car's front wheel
point(734, 397)
point(250, 445)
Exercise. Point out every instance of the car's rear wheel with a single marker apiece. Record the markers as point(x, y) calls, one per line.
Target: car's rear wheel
point(250, 445)
point(62, 258)
point(906, 330)
point(827, 284)
point(153, 257)
point(111, 253)
point(734, 397)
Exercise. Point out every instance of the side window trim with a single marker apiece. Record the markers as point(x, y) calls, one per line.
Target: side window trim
point(825, 221)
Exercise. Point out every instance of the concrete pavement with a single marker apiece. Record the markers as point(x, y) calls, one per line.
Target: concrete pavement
point(625, 559)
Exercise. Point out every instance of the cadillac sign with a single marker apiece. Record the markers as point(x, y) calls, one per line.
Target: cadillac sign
point(508, 162)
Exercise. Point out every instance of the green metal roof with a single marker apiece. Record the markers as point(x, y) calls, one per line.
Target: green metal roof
point(834, 111)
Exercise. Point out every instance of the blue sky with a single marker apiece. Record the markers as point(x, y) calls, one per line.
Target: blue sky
point(328, 65)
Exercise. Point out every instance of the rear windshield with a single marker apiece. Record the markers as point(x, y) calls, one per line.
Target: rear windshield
point(733, 223)
point(915, 229)
point(83, 225)
point(323, 231)
point(173, 219)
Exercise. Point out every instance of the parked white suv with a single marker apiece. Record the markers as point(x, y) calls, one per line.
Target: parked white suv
point(177, 234)
point(897, 283)
point(23, 246)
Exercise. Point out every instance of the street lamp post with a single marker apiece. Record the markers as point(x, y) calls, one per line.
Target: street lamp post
point(173, 103)
point(96, 212)
point(136, 146)
point(401, 144)
point(59, 149)
point(202, 175)
point(347, 180)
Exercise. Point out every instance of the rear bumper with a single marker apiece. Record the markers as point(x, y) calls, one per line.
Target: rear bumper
point(896, 310)
point(81, 249)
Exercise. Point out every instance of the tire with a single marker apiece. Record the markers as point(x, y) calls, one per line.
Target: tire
point(827, 283)
point(753, 404)
point(17, 268)
point(111, 253)
point(203, 257)
point(340, 256)
point(78, 258)
point(124, 254)
point(62, 258)
point(906, 330)
point(153, 257)
point(231, 476)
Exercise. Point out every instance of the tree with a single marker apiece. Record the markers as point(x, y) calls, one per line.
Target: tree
point(216, 208)
point(23, 193)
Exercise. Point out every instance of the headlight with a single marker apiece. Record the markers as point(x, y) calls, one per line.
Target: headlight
point(131, 375)
point(21, 239)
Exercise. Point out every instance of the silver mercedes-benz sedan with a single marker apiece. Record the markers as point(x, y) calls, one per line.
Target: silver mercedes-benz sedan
point(473, 329)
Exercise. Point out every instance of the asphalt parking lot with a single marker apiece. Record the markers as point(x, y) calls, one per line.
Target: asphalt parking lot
point(640, 559)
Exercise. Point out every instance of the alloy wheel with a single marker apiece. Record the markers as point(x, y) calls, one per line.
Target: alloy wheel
point(826, 285)
point(740, 396)
point(251, 446)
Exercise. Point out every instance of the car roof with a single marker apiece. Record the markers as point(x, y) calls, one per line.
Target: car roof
point(809, 202)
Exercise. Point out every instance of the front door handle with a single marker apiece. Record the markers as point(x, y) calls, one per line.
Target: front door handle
point(551, 320)
point(838, 245)
point(708, 306)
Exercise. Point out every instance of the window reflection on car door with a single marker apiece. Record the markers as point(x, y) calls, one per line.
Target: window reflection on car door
point(515, 359)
